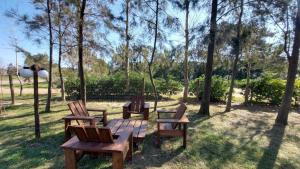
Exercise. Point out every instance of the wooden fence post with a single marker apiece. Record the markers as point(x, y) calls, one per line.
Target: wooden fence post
point(35, 68)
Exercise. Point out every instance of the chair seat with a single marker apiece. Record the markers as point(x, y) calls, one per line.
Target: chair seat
point(165, 126)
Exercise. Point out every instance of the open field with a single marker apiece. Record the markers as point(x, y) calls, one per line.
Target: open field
point(242, 138)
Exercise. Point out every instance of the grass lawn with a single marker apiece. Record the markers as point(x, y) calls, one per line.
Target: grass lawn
point(242, 138)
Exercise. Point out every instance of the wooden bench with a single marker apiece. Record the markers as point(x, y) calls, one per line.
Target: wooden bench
point(139, 127)
point(172, 126)
point(137, 105)
point(93, 140)
point(81, 115)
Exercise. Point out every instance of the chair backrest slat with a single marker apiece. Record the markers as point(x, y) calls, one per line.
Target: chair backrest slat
point(80, 133)
point(136, 103)
point(179, 113)
point(93, 134)
point(78, 109)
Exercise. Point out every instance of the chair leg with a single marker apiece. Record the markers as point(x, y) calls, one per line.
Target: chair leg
point(117, 160)
point(70, 159)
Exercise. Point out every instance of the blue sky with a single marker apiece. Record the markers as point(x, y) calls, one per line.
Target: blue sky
point(9, 30)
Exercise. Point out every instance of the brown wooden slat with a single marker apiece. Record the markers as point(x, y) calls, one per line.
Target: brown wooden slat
point(112, 123)
point(74, 112)
point(73, 109)
point(92, 134)
point(105, 135)
point(80, 132)
point(143, 129)
point(79, 109)
point(131, 123)
point(117, 126)
point(123, 126)
point(83, 108)
point(137, 128)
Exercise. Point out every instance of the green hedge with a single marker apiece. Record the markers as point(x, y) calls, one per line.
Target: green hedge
point(114, 86)
point(219, 88)
point(271, 90)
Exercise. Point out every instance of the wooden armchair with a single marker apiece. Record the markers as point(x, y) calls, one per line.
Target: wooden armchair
point(81, 115)
point(96, 141)
point(172, 126)
point(137, 105)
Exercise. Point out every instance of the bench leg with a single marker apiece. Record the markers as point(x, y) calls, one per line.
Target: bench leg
point(184, 135)
point(67, 132)
point(70, 159)
point(157, 137)
point(117, 160)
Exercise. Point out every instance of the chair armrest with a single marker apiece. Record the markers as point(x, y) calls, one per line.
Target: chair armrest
point(71, 117)
point(172, 121)
point(166, 111)
point(104, 114)
point(98, 110)
point(126, 105)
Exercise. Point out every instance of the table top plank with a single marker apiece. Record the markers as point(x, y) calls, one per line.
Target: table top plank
point(137, 128)
point(142, 130)
point(112, 123)
point(116, 127)
point(131, 123)
point(122, 126)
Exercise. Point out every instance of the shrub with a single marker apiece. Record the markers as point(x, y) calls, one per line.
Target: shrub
point(218, 88)
point(169, 86)
point(114, 86)
point(271, 89)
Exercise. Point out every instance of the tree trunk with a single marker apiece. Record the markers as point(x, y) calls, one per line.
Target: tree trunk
point(152, 56)
point(12, 91)
point(48, 105)
point(21, 85)
point(143, 87)
point(247, 90)
point(81, 8)
point(186, 52)
point(35, 69)
point(62, 84)
point(236, 59)
point(127, 46)
point(282, 117)
point(204, 109)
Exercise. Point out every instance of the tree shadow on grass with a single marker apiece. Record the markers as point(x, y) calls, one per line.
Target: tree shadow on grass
point(269, 157)
point(149, 155)
point(256, 108)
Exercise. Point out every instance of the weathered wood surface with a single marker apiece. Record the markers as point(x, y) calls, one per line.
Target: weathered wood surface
point(81, 115)
point(94, 140)
point(175, 126)
point(137, 105)
point(139, 127)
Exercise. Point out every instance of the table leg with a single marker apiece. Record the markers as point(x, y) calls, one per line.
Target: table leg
point(117, 160)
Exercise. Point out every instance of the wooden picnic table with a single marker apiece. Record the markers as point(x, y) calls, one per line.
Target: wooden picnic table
point(139, 127)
